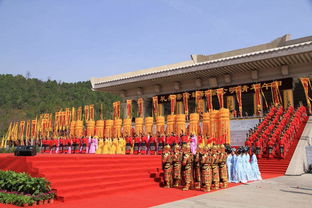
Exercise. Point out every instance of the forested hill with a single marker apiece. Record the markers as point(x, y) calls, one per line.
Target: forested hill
point(22, 98)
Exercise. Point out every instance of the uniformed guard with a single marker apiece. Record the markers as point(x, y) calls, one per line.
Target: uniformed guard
point(223, 167)
point(177, 165)
point(206, 169)
point(187, 169)
point(197, 164)
point(215, 168)
point(167, 166)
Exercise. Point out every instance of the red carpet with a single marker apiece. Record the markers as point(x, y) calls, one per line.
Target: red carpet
point(138, 198)
point(85, 176)
point(101, 180)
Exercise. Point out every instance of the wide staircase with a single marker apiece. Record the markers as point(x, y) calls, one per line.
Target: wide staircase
point(85, 176)
point(277, 166)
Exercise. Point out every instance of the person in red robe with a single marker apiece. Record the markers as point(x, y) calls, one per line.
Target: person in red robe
point(44, 143)
point(199, 140)
point(61, 146)
point(75, 145)
point(281, 145)
point(152, 144)
point(169, 140)
point(136, 145)
point(84, 145)
point(270, 148)
point(161, 143)
point(258, 149)
point(66, 145)
point(185, 139)
point(129, 144)
point(143, 145)
point(53, 145)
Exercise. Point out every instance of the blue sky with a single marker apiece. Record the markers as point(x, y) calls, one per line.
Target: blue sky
point(74, 40)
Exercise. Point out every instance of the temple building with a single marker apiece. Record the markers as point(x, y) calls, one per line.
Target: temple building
point(249, 80)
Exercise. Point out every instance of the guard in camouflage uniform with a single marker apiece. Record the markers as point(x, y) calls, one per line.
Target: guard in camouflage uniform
point(223, 167)
point(177, 165)
point(206, 170)
point(215, 168)
point(187, 163)
point(197, 164)
point(167, 166)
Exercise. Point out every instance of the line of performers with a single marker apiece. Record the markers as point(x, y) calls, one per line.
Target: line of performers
point(210, 167)
point(204, 170)
point(273, 137)
point(242, 167)
point(67, 145)
point(138, 144)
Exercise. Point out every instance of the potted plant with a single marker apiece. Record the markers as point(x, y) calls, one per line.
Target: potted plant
point(38, 200)
point(51, 197)
point(45, 197)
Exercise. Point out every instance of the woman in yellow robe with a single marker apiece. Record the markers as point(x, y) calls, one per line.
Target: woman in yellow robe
point(100, 147)
point(109, 146)
point(120, 146)
point(115, 147)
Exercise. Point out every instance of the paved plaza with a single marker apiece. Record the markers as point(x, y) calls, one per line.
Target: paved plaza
point(284, 191)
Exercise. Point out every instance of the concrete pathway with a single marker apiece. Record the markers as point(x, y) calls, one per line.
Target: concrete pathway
point(284, 191)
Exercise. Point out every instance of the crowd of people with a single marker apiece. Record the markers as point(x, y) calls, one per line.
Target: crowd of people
point(242, 167)
point(273, 136)
point(143, 144)
point(208, 167)
point(203, 169)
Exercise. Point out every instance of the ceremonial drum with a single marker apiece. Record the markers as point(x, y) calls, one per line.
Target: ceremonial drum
point(171, 123)
point(79, 129)
point(180, 119)
point(138, 125)
point(194, 122)
point(108, 128)
point(99, 128)
point(160, 124)
point(127, 127)
point(206, 124)
point(149, 125)
point(90, 128)
point(72, 128)
point(117, 128)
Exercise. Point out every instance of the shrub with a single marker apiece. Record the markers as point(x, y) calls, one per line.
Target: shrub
point(23, 183)
point(16, 199)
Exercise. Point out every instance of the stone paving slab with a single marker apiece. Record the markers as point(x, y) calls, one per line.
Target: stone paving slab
point(284, 191)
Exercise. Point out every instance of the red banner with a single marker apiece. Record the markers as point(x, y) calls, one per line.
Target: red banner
point(116, 106)
point(238, 91)
point(257, 88)
point(129, 108)
point(198, 103)
point(186, 97)
point(79, 114)
point(28, 130)
point(208, 94)
point(34, 129)
point(91, 109)
point(21, 130)
point(86, 113)
point(276, 96)
point(220, 93)
point(173, 101)
point(155, 105)
point(140, 107)
point(306, 83)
